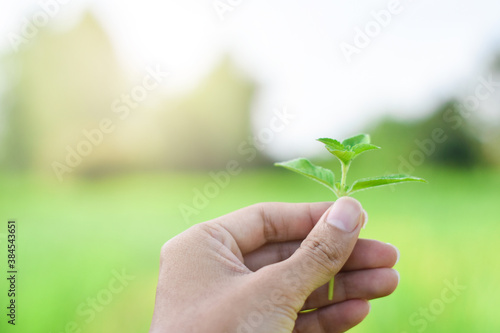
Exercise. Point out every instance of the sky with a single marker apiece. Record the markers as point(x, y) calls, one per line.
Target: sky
point(410, 55)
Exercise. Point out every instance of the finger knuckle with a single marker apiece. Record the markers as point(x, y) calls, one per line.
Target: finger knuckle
point(184, 241)
point(270, 226)
point(164, 251)
point(326, 255)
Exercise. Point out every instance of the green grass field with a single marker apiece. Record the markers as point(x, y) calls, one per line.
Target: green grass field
point(74, 238)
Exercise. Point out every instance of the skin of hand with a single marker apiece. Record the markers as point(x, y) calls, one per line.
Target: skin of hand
point(253, 270)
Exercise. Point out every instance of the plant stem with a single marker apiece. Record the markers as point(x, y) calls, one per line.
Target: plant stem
point(343, 181)
point(342, 192)
point(330, 289)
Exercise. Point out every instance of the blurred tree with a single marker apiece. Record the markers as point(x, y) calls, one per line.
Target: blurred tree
point(445, 137)
point(490, 129)
point(60, 84)
point(63, 85)
point(212, 123)
point(461, 146)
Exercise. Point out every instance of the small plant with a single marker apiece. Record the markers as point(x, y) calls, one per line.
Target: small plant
point(345, 151)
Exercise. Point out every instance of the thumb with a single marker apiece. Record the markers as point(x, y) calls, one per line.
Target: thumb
point(327, 247)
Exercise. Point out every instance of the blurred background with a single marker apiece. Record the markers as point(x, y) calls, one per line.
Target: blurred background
point(123, 123)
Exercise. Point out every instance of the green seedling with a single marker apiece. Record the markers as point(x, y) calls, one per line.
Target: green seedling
point(345, 151)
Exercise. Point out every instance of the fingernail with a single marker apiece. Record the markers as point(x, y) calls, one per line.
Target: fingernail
point(366, 219)
point(397, 251)
point(399, 276)
point(345, 214)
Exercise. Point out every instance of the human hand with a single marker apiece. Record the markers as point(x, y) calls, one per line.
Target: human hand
point(253, 270)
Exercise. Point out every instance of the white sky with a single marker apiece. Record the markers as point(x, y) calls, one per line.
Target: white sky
point(429, 51)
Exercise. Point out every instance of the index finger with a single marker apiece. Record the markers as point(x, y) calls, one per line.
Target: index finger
point(269, 222)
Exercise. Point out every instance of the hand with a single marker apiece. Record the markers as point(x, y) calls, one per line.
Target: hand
point(253, 270)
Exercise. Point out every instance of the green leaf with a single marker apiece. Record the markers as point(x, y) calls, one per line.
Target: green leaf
point(332, 144)
point(366, 183)
point(344, 156)
point(356, 140)
point(362, 147)
point(314, 172)
point(338, 150)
